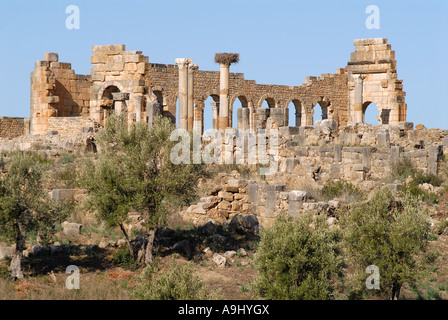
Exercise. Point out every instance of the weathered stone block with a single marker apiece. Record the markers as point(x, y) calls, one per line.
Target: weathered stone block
point(253, 192)
point(383, 138)
point(297, 195)
point(51, 56)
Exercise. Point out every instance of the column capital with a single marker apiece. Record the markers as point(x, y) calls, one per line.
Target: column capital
point(139, 98)
point(215, 105)
point(359, 78)
point(183, 62)
point(192, 67)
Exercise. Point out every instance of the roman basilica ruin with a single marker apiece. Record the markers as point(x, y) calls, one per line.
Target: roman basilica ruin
point(126, 81)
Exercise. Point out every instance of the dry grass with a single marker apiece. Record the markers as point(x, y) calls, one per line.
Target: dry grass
point(110, 285)
point(227, 58)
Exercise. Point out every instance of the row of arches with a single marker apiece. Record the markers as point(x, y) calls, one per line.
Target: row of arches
point(320, 111)
point(296, 116)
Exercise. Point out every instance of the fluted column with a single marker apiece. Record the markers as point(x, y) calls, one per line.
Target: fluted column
point(183, 92)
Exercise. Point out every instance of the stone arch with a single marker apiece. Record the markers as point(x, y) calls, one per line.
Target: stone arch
point(212, 92)
point(383, 114)
point(109, 84)
point(325, 106)
point(269, 100)
point(242, 116)
point(241, 97)
point(210, 110)
point(299, 111)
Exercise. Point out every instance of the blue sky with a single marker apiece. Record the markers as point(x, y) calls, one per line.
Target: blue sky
point(280, 42)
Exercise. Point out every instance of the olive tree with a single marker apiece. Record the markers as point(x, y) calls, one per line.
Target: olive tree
point(25, 205)
point(298, 259)
point(387, 234)
point(134, 172)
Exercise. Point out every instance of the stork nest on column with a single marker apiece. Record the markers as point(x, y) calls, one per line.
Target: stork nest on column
point(227, 58)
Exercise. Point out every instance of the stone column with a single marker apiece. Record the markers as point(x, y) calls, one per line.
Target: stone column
point(183, 92)
point(138, 107)
point(153, 109)
point(215, 110)
point(358, 118)
point(252, 115)
point(190, 110)
point(223, 121)
point(197, 123)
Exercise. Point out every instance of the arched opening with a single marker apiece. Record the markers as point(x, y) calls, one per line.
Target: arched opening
point(370, 113)
point(210, 113)
point(268, 103)
point(320, 111)
point(295, 113)
point(237, 120)
point(107, 103)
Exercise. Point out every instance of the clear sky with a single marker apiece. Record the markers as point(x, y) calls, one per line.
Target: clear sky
point(280, 42)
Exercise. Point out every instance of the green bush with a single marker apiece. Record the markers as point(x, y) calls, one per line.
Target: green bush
point(342, 189)
point(414, 190)
point(177, 283)
point(298, 259)
point(420, 178)
point(393, 238)
point(123, 259)
point(402, 169)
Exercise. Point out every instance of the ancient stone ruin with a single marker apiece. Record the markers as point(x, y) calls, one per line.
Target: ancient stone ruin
point(67, 109)
point(126, 81)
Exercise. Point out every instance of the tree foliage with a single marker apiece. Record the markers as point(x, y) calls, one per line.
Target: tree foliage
point(177, 283)
point(134, 172)
point(389, 235)
point(25, 205)
point(298, 259)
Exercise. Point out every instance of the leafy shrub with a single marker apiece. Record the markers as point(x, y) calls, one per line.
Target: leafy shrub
point(177, 283)
point(402, 169)
point(298, 259)
point(392, 238)
point(414, 190)
point(420, 178)
point(442, 227)
point(342, 189)
point(432, 294)
point(123, 259)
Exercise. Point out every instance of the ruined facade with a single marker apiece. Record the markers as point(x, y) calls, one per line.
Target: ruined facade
point(126, 81)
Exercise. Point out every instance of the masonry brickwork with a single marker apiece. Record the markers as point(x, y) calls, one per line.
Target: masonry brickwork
point(126, 81)
point(12, 127)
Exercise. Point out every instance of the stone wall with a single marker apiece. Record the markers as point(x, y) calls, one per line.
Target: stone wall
point(11, 127)
point(67, 126)
point(56, 91)
point(125, 81)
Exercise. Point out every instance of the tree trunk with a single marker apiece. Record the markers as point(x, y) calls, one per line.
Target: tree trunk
point(16, 262)
point(145, 256)
point(131, 250)
point(396, 292)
